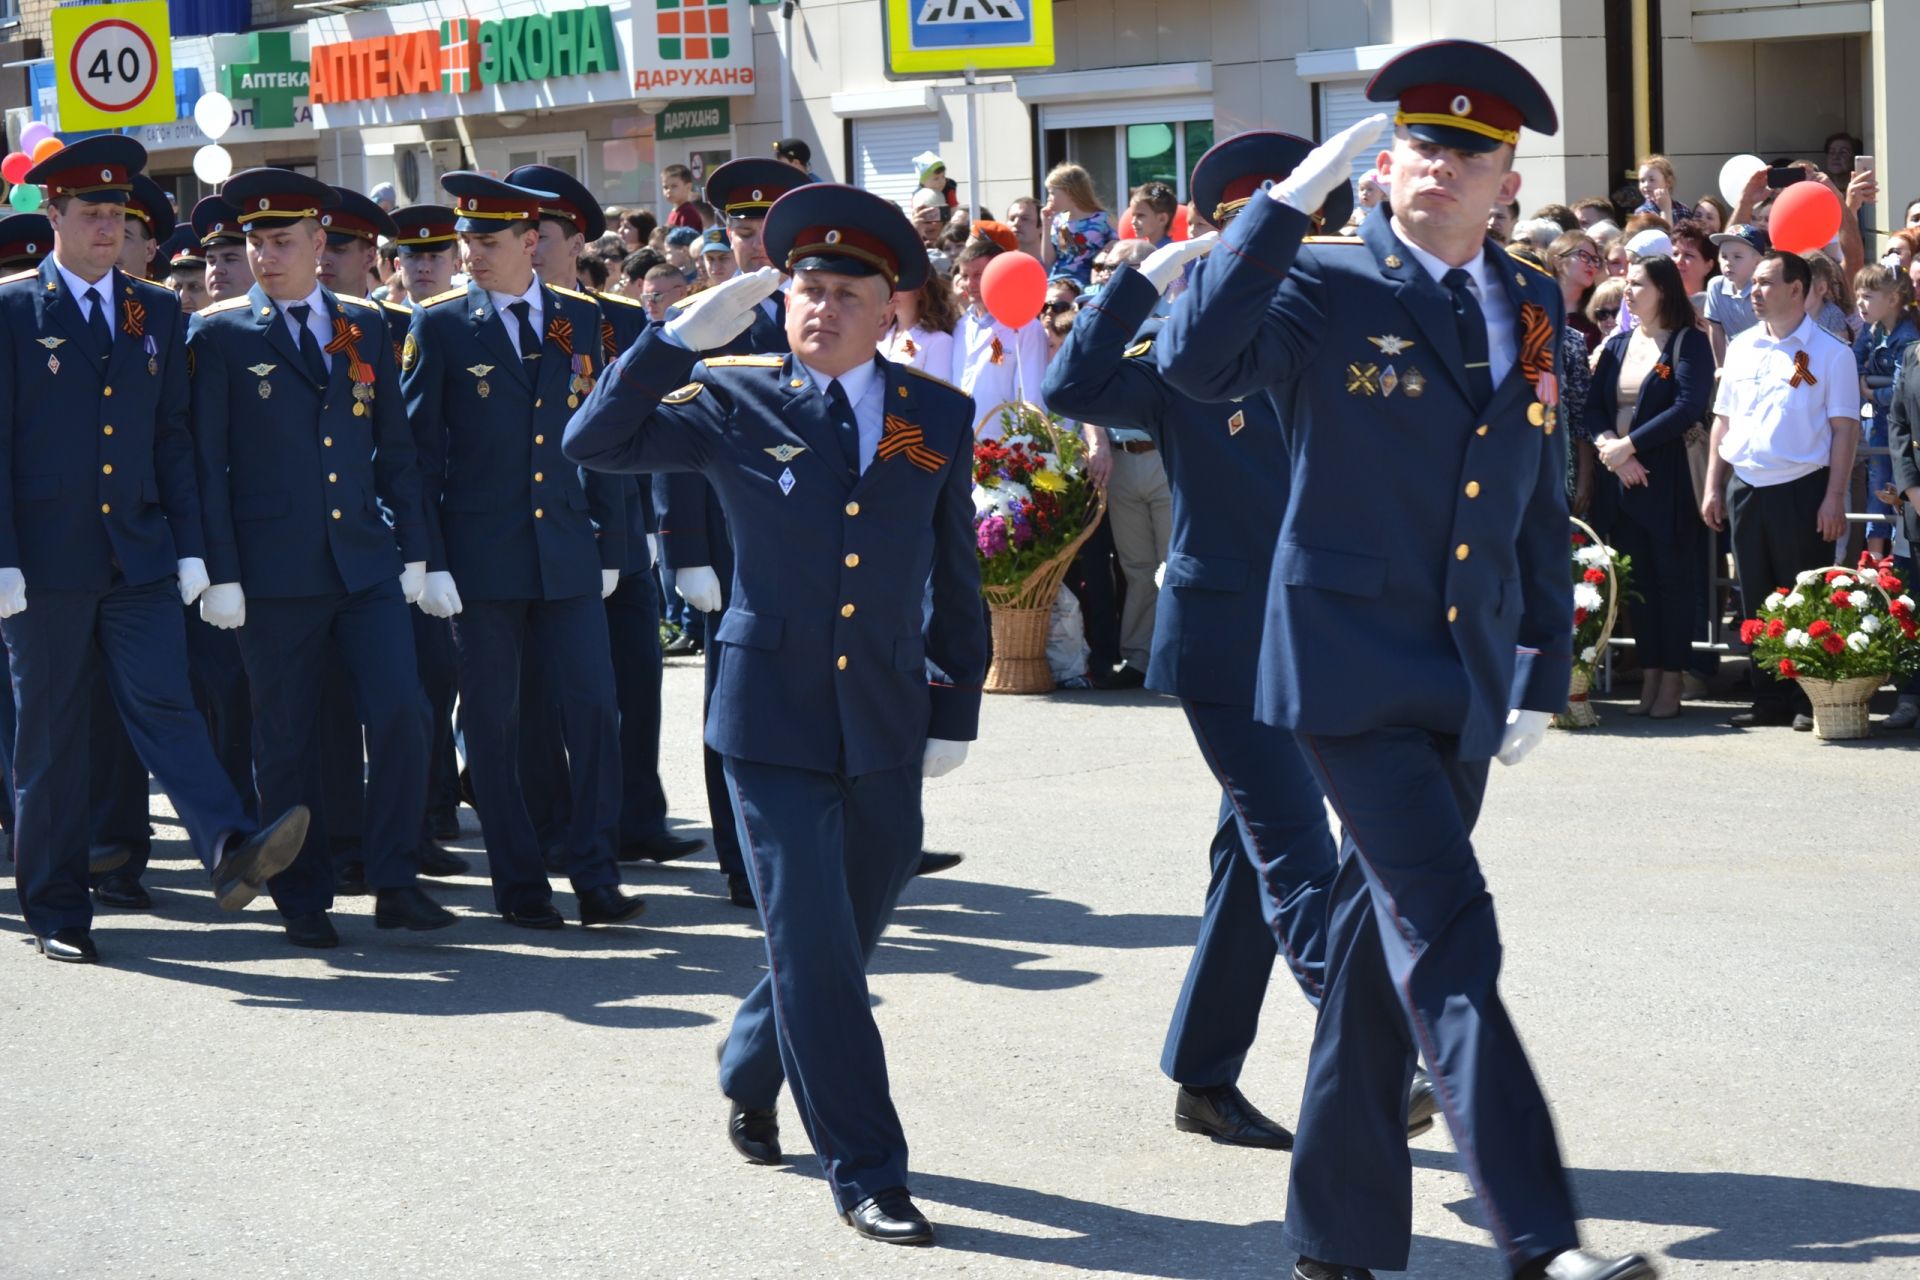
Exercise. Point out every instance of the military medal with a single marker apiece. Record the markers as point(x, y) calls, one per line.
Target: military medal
point(53, 364)
point(1360, 379)
point(1414, 383)
point(1390, 345)
point(786, 452)
point(362, 396)
point(786, 481)
point(261, 371)
point(581, 382)
point(1236, 422)
point(153, 358)
point(479, 371)
point(1388, 381)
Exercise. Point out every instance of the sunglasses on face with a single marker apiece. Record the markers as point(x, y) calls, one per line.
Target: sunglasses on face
point(1059, 306)
point(1607, 313)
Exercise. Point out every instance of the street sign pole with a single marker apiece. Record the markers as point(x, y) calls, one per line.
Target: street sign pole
point(786, 67)
point(972, 90)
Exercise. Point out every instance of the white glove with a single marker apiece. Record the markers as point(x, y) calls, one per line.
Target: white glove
point(942, 758)
point(1524, 731)
point(439, 598)
point(413, 580)
point(609, 582)
point(653, 550)
point(193, 578)
point(722, 313)
point(223, 605)
point(1164, 265)
point(13, 592)
point(1326, 166)
point(699, 587)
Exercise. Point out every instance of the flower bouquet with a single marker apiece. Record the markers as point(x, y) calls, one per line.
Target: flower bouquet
point(1599, 580)
point(1033, 506)
point(1840, 633)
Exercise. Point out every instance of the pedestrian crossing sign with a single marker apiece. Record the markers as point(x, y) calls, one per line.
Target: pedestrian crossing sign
point(940, 37)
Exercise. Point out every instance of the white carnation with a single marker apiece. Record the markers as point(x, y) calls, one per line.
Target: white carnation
point(1589, 653)
point(1859, 641)
point(1841, 582)
point(1775, 600)
point(1808, 578)
point(1858, 599)
point(1905, 600)
point(1585, 597)
point(1794, 600)
point(1797, 639)
point(1591, 556)
point(1869, 624)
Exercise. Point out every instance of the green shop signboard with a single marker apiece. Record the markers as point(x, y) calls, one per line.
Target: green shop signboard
point(701, 118)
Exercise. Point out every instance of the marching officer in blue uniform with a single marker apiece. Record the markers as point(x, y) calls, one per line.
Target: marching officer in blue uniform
point(694, 541)
point(100, 516)
point(150, 220)
point(521, 551)
point(1411, 637)
point(25, 241)
point(217, 223)
point(568, 223)
point(302, 441)
point(1273, 854)
point(847, 485)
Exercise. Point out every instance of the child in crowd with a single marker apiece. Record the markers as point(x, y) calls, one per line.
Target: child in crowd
point(1885, 300)
point(1080, 225)
point(1729, 296)
point(1656, 190)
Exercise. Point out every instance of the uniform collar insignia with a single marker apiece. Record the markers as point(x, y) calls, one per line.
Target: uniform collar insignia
point(786, 452)
point(261, 370)
point(479, 370)
point(1390, 345)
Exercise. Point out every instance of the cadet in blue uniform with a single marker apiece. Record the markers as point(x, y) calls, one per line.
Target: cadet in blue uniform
point(568, 224)
point(150, 222)
point(847, 484)
point(1273, 855)
point(100, 515)
point(25, 240)
point(1411, 636)
point(694, 542)
point(302, 440)
point(521, 551)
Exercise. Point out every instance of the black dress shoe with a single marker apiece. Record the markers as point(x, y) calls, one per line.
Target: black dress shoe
point(541, 916)
point(1223, 1113)
point(1803, 723)
point(1578, 1264)
point(932, 864)
point(1759, 717)
point(248, 864)
point(350, 880)
point(680, 644)
point(740, 891)
point(409, 908)
point(1308, 1269)
point(1423, 1103)
point(102, 858)
point(313, 930)
point(431, 860)
point(1121, 677)
point(445, 824)
point(664, 847)
point(755, 1133)
point(71, 946)
point(609, 904)
point(891, 1218)
point(122, 889)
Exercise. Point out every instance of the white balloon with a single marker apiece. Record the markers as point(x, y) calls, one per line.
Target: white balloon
point(214, 114)
point(1734, 176)
point(212, 164)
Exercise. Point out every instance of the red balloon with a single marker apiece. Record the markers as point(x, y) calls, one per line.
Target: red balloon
point(46, 147)
point(14, 168)
point(1805, 216)
point(1178, 231)
point(1123, 229)
point(1014, 286)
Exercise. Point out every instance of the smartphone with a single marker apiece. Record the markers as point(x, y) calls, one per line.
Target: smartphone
point(1784, 175)
point(1863, 164)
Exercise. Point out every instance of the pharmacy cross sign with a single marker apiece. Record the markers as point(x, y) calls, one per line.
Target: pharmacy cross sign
point(271, 78)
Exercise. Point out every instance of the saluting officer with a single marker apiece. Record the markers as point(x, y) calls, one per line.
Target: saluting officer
point(1273, 855)
point(302, 438)
point(100, 514)
point(567, 224)
point(693, 528)
point(228, 273)
point(847, 484)
point(521, 551)
point(1412, 637)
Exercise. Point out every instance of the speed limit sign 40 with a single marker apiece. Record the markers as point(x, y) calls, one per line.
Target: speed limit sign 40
point(114, 65)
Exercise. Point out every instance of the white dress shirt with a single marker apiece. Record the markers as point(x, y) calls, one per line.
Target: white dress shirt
point(1776, 431)
point(79, 287)
point(501, 301)
point(866, 393)
point(919, 348)
point(1503, 347)
point(319, 322)
point(1018, 376)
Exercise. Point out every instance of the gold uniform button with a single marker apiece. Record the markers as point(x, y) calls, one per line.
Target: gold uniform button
point(842, 663)
point(846, 611)
point(853, 561)
point(1480, 430)
point(536, 404)
point(107, 470)
point(327, 441)
point(539, 439)
point(336, 513)
point(333, 477)
point(106, 391)
point(1473, 488)
point(106, 508)
point(1460, 552)
point(853, 508)
point(539, 476)
point(108, 430)
point(1452, 613)
point(539, 514)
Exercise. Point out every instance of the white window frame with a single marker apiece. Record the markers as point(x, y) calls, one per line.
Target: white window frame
point(1174, 111)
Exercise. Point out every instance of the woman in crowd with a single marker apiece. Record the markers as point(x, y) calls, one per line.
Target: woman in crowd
point(1651, 385)
point(1694, 254)
point(1885, 300)
point(1713, 212)
point(1078, 224)
point(1576, 263)
point(1062, 304)
point(635, 228)
point(1830, 301)
point(923, 322)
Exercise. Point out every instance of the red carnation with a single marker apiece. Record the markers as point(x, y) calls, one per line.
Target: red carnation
point(1835, 573)
point(1834, 645)
point(1595, 576)
point(1579, 540)
point(1776, 629)
point(1840, 598)
point(1750, 631)
point(1908, 629)
point(1819, 628)
point(1899, 609)
point(1788, 671)
point(1889, 582)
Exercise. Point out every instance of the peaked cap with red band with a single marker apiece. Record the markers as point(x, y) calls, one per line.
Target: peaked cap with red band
point(572, 204)
point(824, 226)
point(1463, 95)
point(747, 188)
point(98, 170)
point(217, 222)
point(424, 228)
point(25, 238)
point(268, 197)
point(356, 217)
point(1234, 171)
point(148, 202)
point(482, 204)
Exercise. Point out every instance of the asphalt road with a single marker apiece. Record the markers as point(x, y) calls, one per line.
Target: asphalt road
point(1709, 952)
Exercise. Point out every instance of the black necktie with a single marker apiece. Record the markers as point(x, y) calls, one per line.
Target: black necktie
point(845, 427)
point(97, 323)
point(529, 340)
point(1472, 323)
point(310, 352)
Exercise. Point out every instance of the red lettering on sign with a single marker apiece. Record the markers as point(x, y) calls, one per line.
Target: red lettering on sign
point(377, 67)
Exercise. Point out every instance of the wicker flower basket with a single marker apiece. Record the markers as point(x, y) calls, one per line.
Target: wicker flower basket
point(1022, 611)
point(1580, 713)
point(1840, 706)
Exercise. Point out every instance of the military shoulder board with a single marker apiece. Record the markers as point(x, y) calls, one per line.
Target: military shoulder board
point(750, 362)
point(448, 296)
point(358, 302)
point(619, 299)
point(571, 293)
point(930, 377)
point(1331, 240)
point(20, 275)
point(225, 304)
point(684, 394)
point(1139, 348)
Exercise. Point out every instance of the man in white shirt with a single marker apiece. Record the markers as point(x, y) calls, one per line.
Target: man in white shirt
point(1786, 421)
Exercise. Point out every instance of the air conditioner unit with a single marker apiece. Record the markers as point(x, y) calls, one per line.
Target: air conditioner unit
point(445, 156)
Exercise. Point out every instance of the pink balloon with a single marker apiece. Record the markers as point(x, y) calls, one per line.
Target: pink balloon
point(1013, 286)
point(1805, 216)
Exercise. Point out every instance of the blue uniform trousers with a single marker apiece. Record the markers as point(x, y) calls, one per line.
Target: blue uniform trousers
point(1413, 956)
point(433, 654)
point(6, 748)
point(633, 628)
point(828, 856)
point(117, 788)
point(287, 645)
point(544, 785)
point(219, 679)
point(490, 639)
point(720, 815)
point(338, 831)
point(1273, 869)
point(140, 635)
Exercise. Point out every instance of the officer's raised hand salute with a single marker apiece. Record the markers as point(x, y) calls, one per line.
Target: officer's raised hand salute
point(1414, 364)
point(100, 515)
point(846, 481)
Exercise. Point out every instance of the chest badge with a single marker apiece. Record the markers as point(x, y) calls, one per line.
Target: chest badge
point(53, 364)
point(1360, 379)
point(1413, 383)
point(1237, 422)
point(50, 343)
point(786, 453)
point(786, 479)
point(1388, 381)
point(1391, 345)
point(261, 370)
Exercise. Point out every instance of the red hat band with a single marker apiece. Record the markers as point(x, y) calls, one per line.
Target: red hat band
point(86, 181)
point(848, 242)
point(564, 210)
point(346, 224)
point(1453, 106)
